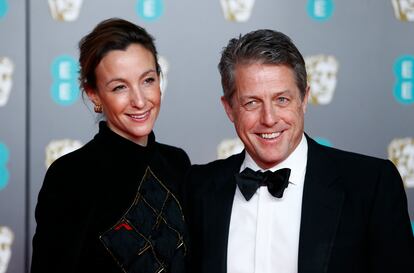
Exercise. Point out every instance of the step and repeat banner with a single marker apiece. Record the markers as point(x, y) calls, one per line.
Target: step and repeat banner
point(359, 55)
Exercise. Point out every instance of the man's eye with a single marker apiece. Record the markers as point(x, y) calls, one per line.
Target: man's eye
point(251, 105)
point(282, 100)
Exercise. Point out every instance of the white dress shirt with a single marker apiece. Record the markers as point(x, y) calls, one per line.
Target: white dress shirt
point(264, 231)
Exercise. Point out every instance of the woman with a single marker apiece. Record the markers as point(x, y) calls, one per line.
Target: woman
point(111, 206)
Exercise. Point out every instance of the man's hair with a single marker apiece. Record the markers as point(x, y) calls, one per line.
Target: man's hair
point(262, 46)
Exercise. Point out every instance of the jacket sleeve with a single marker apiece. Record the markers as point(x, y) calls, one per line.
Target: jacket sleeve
point(58, 239)
point(391, 237)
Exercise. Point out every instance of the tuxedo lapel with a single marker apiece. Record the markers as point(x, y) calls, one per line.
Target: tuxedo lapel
point(219, 204)
point(322, 202)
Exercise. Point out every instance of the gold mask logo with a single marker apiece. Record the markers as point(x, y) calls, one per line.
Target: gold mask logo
point(6, 241)
point(322, 77)
point(6, 79)
point(404, 10)
point(57, 148)
point(163, 75)
point(237, 10)
point(401, 153)
point(229, 147)
point(65, 10)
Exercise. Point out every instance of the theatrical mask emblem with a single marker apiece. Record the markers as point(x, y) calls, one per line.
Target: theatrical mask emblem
point(6, 80)
point(237, 10)
point(163, 75)
point(6, 241)
point(65, 10)
point(404, 10)
point(322, 74)
point(57, 148)
point(401, 153)
point(229, 147)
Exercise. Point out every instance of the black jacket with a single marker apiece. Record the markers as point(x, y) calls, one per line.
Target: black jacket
point(88, 196)
point(354, 214)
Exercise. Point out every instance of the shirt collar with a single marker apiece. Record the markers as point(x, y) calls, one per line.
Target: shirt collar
point(296, 161)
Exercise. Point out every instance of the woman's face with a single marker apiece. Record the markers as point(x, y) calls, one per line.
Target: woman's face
point(128, 88)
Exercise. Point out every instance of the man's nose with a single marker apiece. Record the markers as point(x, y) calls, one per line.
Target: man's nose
point(269, 115)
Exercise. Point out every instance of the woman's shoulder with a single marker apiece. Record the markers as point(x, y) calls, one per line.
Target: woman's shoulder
point(170, 163)
point(77, 156)
point(172, 154)
point(73, 165)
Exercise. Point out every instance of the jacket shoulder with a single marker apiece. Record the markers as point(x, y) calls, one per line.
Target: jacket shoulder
point(174, 156)
point(216, 169)
point(345, 158)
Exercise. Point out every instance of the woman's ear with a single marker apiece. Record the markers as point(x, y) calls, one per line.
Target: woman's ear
point(92, 94)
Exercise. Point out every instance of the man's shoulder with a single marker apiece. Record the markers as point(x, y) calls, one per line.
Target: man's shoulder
point(340, 158)
point(209, 177)
point(218, 166)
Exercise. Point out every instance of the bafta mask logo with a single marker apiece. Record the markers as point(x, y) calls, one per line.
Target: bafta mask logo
point(4, 172)
point(4, 8)
point(229, 147)
point(404, 84)
point(65, 10)
point(6, 79)
point(322, 74)
point(320, 10)
point(6, 241)
point(57, 148)
point(401, 153)
point(237, 10)
point(163, 76)
point(150, 10)
point(404, 10)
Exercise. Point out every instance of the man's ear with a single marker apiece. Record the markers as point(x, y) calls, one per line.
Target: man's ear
point(305, 99)
point(228, 108)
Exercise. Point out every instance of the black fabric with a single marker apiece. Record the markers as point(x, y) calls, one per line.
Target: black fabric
point(249, 181)
point(87, 192)
point(349, 223)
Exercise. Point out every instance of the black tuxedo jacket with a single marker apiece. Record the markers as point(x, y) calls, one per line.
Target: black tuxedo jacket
point(354, 214)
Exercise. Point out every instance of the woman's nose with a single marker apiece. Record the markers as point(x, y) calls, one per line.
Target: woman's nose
point(137, 98)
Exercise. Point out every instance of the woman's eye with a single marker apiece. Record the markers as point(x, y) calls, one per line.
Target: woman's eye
point(149, 80)
point(118, 88)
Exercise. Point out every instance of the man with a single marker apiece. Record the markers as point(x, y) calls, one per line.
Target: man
point(328, 211)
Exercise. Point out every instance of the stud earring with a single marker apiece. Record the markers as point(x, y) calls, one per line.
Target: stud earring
point(97, 108)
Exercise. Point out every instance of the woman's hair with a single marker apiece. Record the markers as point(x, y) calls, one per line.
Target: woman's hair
point(108, 35)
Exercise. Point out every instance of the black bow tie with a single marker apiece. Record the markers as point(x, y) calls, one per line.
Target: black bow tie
point(249, 181)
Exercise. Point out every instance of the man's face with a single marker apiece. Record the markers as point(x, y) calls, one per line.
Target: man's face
point(267, 112)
